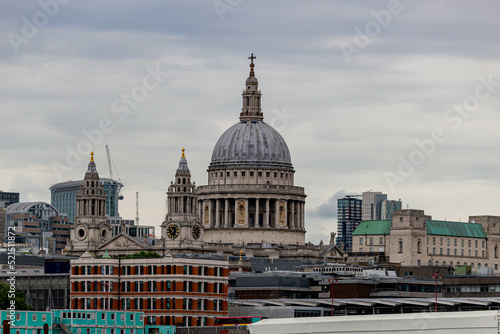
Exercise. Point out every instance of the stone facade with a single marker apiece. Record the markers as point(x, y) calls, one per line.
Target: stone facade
point(250, 206)
point(410, 243)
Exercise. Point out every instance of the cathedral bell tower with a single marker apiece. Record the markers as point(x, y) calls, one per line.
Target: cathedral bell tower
point(251, 109)
point(181, 223)
point(91, 228)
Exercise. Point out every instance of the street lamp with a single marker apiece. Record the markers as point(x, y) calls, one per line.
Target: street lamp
point(332, 280)
point(436, 276)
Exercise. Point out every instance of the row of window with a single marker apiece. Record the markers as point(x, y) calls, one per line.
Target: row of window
point(370, 241)
point(148, 270)
point(455, 252)
point(455, 242)
point(152, 286)
point(151, 304)
point(250, 173)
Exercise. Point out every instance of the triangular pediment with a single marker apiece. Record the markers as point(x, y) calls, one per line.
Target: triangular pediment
point(86, 255)
point(124, 241)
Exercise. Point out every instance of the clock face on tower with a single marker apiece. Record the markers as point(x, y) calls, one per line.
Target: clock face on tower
point(196, 231)
point(173, 231)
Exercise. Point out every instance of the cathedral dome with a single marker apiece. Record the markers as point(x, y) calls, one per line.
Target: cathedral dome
point(251, 143)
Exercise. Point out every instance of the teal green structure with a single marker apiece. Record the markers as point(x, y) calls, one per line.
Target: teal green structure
point(81, 322)
point(454, 229)
point(373, 227)
point(27, 322)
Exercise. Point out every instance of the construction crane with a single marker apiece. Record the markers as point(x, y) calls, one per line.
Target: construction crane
point(110, 168)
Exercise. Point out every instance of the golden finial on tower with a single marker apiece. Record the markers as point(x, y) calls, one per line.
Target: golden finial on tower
point(252, 73)
point(183, 156)
point(92, 156)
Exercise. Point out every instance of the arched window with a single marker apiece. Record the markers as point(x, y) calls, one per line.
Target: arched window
point(429, 263)
point(418, 246)
point(496, 251)
point(400, 246)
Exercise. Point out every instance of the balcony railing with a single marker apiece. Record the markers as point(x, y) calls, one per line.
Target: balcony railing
point(219, 187)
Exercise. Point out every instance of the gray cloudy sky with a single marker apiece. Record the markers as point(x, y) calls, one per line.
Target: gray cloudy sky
point(400, 97)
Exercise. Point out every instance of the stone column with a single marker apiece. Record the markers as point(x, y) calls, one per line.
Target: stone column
point(181, 204)
point(266, 214)
point(292, 216)
point(256, 216)
point(246, 212)
point(217, 213)
point(286, 213)
point(302, 216)
point(235, 221)
point(210, 206)
point(277, 214)
point(226, 213)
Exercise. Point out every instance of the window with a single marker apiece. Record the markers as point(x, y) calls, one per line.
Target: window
point(418, 246)
point(447, 251)
point(235, 174)
point(251, 173)
point(34, 317)
point(361, 241)
point(469, 243)
point(381, 240)
point(441, 241)
point(462, 242)
point(243, 174)
point(260, 174)
point(455, 242)
point(400, 246)
point(268, 174)
point(475, 243)
point(228, 174)
point(455, 252)
point(482, 243)
point(433, 250)
point(370, 241)
point(418, 262)
point(448, 242)
point(469, 250)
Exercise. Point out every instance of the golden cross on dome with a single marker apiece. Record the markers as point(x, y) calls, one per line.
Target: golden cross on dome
point(183, 156)
point(92, 156)
point(252, 65)
point(252, 58)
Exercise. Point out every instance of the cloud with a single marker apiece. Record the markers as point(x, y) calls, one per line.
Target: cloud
point(328, 209)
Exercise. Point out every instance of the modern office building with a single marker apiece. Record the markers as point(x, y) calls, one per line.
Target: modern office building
point(387, 208)
point(9, 198)
point(372, 205)
point(348, 218)
point(39, 224)
point(63, 197)
point(136, 231)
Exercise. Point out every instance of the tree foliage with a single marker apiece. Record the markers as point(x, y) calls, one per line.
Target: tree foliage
point(142, 255)
point(19, 297)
